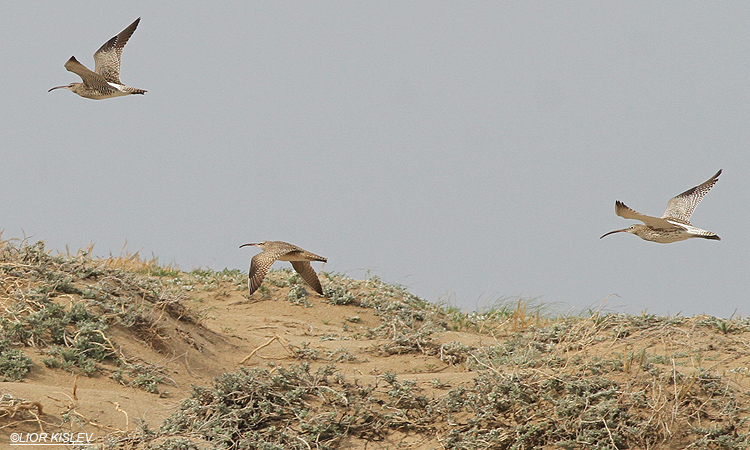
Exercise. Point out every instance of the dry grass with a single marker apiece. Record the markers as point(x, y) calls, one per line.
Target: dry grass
point(66, 305)
point(385, 370)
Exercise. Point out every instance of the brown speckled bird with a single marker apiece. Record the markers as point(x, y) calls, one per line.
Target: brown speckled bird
point(104, 81)
point(282, 251)
point(674, 225)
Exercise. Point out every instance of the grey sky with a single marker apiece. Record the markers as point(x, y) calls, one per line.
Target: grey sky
point(470, 151)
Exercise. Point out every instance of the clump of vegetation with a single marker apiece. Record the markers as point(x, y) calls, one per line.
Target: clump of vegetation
point(67, 304)
point(570, 412)
point(255, 409)
point(338, 295)
point(339, 355)
point(141, 376)
point(290, 408)
point(298, 295)
point(14, 364)
point(216, 281)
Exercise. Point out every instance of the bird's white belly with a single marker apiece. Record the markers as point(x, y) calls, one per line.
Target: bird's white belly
point(119, 90)
point(668, 236)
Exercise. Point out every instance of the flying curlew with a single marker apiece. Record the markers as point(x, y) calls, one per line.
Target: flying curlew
point(104, 81)
point(282, 251)
point(674, 225)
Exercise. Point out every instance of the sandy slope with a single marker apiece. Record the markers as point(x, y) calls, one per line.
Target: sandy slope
point(232, 328)
point(276, 331)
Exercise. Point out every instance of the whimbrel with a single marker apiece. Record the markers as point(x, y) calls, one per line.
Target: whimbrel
point(674, 225)
point(282, 251)
point(104, 81)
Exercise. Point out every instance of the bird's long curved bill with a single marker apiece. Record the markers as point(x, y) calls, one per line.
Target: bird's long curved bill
point(245, 245)
point(57, 87)
point(613, 232)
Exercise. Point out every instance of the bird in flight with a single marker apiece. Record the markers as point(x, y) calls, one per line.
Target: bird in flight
point(104, 81)
point(282, 251)
point(674, 225)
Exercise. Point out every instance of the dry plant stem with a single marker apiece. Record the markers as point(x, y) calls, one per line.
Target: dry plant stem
point(12, 409)
point(256, 350)
point(609, 432)
point(75, 388)
point(284, 343)
point(88, 421)
point(127, 418)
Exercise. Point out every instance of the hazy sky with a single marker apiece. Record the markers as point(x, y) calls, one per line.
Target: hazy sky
point(471, 151)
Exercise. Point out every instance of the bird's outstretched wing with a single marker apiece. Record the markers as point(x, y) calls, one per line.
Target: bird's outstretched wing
point(681, 207)
point(90, 79)
point(107, 58)
point(629, 213)
point(259, 266)
point(308, 274)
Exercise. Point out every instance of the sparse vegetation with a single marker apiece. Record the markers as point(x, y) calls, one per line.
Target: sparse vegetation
point(14, 364)
point(67, 304)
point(515, 376)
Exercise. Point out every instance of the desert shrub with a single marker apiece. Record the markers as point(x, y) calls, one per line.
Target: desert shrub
point(119, 291)
point(14, 364)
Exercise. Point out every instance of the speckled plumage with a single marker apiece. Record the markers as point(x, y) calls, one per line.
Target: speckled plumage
point(674, 225)
point(104, 81)
point(282, 251)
